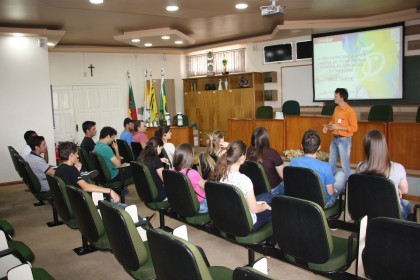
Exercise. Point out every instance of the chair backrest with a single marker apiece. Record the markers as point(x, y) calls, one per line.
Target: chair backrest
point(100, 165)
point(87, 217)
point(255, 171)
point(136, 148)
point(125, 150)
point(328, 109)
point(180, 193)
point(125, 241)
point(392, 249)
point(418, 115)
point(13, 154)
point(264, 112)
point(301, 230)
point(175, 258)
point(372, 196)
point(143, 180)
point(29, 177)
point(228, 208)
point(84, 157)
point(61, 199)
point(291, 107)
point(303, 183)
point(381, 113)
point(165, 155)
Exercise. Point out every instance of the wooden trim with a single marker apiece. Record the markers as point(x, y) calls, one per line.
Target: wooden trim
point(11, 183)
point(411, 197)
point(412, 30)
point(413, 45)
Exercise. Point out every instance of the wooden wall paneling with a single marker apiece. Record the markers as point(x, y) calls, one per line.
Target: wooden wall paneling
point(275, 129)
point(224, 107)
point(357, 148)
point(183, 134)
point(240, 129)
point(404, 144)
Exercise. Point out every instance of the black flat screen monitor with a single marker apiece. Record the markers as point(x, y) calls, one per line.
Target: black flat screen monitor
point(278, 53)
point(304, 50)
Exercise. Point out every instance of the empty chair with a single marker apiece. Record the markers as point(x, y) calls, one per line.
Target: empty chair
point(127, 246)
point(230, 213)
point(301, 231)
point(176, 258)
point(182, 198)
point(14, 155)
point(147, 191)
point(264, 112)
point(249, 273)
point(6, 242)
point(88, 220)
point(418, 115)
point(304, 183)
point(7, 227)
point(25, 271)
point(291, 107)
point(380, 113)
point(136, 148)
point(392, 249)
point(125, 151)
point(328, 109)
point(372, 196)
point(255, 171)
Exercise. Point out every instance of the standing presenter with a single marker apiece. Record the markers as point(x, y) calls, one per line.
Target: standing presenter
point(343, 124)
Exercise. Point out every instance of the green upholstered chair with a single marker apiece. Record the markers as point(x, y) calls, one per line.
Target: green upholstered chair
point(15, 155)
point(136, 148)
point(301, 231)
point(392, 249)
point(305, 183)
point(328, 109)
point(104, 176)
point(255, 171)
point(88, 220)
point(147, 190)
point(87, 164)
point(125, 150)
point(127, 246)
point(61, 200)
point(182, 198)
point(11, 258)
point(6, 242)
point(381, 113)
point(165, 155)
point(372, 196)
point(418, 115)
point(249, 273)
point(7, 228)
point(264, 112)
point(176, 258)
point(291, 107)
point(229, 212)
point(25, 271)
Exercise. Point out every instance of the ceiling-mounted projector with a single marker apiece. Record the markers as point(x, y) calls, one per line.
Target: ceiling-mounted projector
point(272, 10)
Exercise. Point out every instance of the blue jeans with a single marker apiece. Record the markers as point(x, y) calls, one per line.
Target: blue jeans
point(340, 147)
point(339, 185)
point(263, 217)
point(203, 206)
point(279, 190)
point(405, 208)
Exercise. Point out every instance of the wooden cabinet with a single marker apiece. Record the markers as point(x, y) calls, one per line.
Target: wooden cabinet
point(211, 108)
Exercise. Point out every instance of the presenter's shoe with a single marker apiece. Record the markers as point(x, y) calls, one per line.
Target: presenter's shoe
point(86, 175)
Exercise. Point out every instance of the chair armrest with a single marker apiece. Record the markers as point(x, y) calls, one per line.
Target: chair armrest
point(353, 236)
point(203, 254)
point(14, 252)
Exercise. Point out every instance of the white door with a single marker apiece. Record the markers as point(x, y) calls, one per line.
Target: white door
point(65, 127)
point(102, 104)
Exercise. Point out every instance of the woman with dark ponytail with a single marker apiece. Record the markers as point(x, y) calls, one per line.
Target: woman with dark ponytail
point(227, 171)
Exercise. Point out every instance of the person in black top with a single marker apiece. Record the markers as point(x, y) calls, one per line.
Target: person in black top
point(89, 128)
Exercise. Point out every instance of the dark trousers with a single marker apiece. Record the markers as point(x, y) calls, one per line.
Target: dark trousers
point(263, 217)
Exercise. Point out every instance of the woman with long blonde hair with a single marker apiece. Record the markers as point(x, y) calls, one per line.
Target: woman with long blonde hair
point(216, 146)
point(377, 163)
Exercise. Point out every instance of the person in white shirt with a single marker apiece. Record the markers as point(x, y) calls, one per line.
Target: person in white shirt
point(26, 150)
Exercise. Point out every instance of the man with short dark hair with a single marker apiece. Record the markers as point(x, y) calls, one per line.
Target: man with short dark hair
point(331, 185)
point(126, 135)
point(26, 150)
point(89, 128)
point(37, 163)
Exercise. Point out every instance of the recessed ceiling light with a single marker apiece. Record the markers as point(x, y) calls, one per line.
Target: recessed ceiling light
point(165, 37)
point(148, 44)
point(135, 40)
point(96, 1)
point(172, 8)
point(241, 6)
point(49, 44)
point(178, 42)
point(18, 34)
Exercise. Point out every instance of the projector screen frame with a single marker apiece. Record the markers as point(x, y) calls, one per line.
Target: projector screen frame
point(351, 31)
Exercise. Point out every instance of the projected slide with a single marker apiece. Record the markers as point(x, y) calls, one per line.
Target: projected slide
point(367, 63)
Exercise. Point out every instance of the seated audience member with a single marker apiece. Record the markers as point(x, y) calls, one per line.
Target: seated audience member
point(377, 163)
point(140, 136)
point(26, 150)
point(37, 163)
point(113, 161)
point(150, 157)
point(227, 171)
point(183, 162)
point(89, 128)
point(332, 186)
point(164, 133)
point(126, 135)
point(216, 146)
point(270, 159)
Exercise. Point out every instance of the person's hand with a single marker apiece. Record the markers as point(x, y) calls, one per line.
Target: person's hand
point(78, 165)
point(115, 196)
point(114, 145)
point(164, 160)
point(224, 144)
point(325, 128)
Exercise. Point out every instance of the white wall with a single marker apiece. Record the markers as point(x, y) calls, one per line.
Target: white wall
point(25, 99)
point(111, 68)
